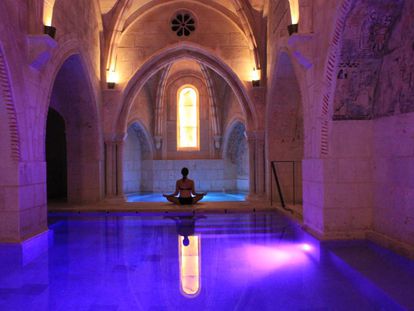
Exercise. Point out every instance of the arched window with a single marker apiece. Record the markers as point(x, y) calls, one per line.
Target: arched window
point(188, 124)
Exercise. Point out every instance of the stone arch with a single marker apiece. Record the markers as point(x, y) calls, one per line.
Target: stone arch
point(146, 134)
point(68, 46)
point(10, 158)
point(331, 66)
point(227, 131)
point(285, 125)
point(137, 154)
point(242, 20)
point(171, 54)
point(71, 94)
point(213, 102)
point(6, 94)
point(174, 84)
point(50, 6)
point(236, 157)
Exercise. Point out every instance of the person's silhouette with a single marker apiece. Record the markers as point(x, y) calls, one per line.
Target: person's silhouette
point(185, 190)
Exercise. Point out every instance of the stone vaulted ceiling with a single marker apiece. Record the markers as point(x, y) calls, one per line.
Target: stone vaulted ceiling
point(107, 5)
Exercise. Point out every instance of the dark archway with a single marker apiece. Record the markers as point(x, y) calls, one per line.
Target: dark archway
point(73, 99)
point(56, 161)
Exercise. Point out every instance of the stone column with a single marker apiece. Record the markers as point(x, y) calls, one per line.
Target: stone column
point(260, 163)
point(109, 169)
point(251, 142)
point(255, 141)
point(119, 145)
point(113, 167)
point(35, 17)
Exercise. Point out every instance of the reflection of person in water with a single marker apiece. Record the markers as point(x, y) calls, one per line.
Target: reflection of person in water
point(186, 190)
point(185, 226)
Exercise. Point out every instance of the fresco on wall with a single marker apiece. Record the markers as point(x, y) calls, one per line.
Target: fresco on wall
point(366, 38)
point(395, 92)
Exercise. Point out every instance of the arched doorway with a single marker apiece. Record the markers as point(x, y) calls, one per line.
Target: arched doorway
point(73, 99)
point(56, 157)
point(284, 132)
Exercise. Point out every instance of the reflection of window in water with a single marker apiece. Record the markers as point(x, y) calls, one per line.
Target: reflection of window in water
point(189, 253)
point(190, 263)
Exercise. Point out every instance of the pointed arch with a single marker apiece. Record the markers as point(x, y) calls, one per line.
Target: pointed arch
point(8, 98)
point(243, 21)
point(227, 132)
point(330, 76)
point(213, 100)
point(147, 135)
point(172, 54)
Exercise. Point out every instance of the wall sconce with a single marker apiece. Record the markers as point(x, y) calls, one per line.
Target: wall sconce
point(112, 79)
point(256, 77)
point(49, 30)
point(294, 14)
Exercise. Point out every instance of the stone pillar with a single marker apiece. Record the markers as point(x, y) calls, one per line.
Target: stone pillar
point(35, 17)
point(251, 142)
point(255, 141)
point(109, 169)
point(113, 168)
point(119, 145)
point(260, 163)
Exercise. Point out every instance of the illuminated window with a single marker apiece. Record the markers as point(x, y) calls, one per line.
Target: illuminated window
point(188, 133)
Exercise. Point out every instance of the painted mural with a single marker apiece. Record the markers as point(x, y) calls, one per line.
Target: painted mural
point(366, 47)
point(395, 92)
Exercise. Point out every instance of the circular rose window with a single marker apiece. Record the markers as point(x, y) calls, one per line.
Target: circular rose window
point(183, 24)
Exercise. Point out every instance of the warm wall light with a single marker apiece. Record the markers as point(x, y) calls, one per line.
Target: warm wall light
point(256, 77)
point(111, 79)
point(48, 12)
point(47, 18)
point(294, 14)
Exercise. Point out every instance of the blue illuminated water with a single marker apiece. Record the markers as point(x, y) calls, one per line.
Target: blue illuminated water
point(210, 197)
point(126, 262)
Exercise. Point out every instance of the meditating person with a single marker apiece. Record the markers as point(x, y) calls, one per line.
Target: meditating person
point(184, 191)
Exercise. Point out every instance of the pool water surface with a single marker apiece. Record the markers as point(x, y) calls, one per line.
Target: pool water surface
point(127, 262)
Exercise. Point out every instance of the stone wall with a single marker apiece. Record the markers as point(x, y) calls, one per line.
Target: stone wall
point(208, 175)
point(170, 120)
point(393, 171)
point(82, 24)
point(348, 180)
point(22, 181)
point(152, 33)
point(132, 162)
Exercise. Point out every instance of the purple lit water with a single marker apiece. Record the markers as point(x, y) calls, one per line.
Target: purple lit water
point(210, 197)
point(127, 262)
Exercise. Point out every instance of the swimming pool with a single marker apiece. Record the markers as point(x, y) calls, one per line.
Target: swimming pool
point(233, 262)
point(210, 197)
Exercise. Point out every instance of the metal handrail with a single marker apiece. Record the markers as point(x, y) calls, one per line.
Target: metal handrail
point(279, 189)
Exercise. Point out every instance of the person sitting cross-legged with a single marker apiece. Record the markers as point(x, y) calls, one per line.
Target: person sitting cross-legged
point(184, 191)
